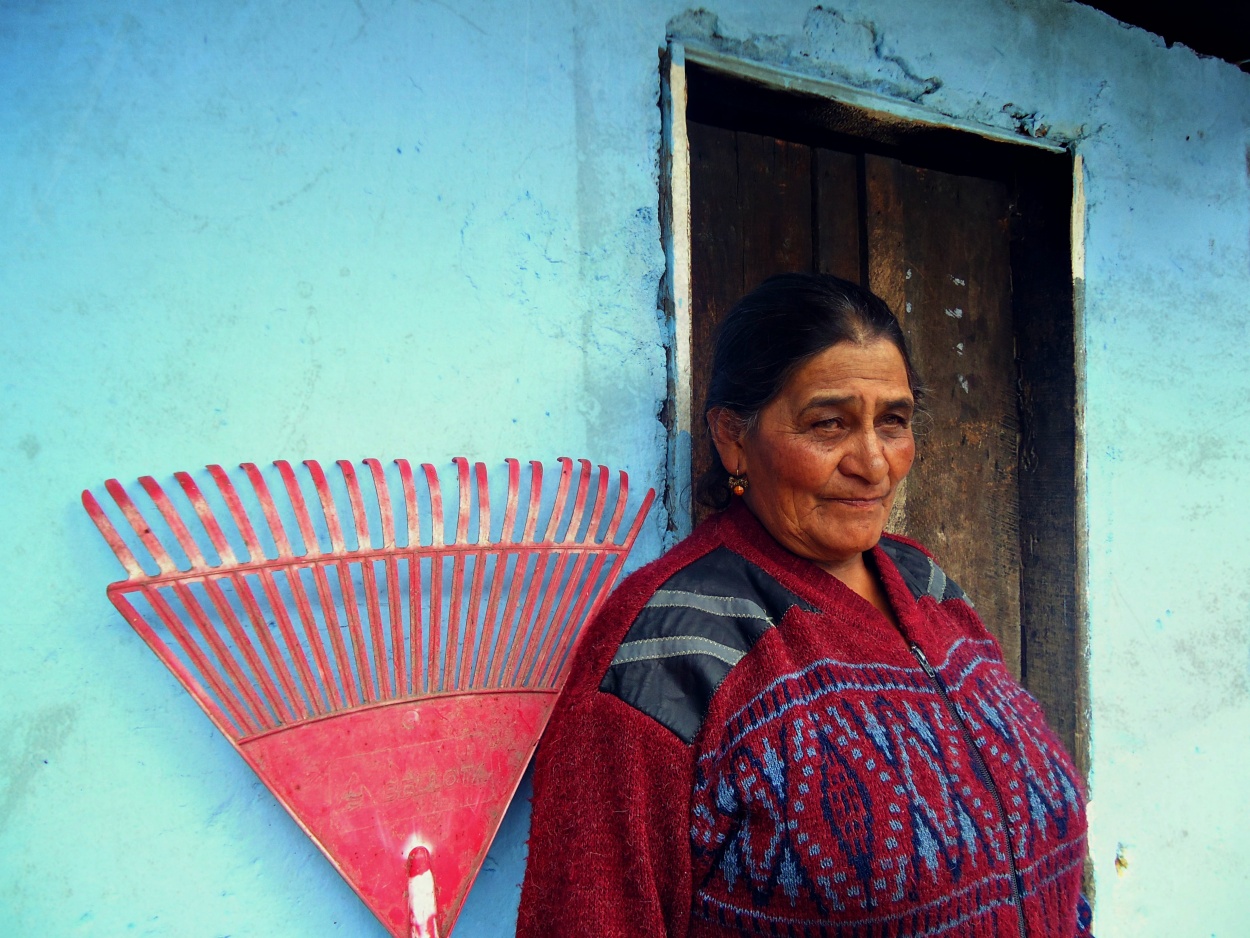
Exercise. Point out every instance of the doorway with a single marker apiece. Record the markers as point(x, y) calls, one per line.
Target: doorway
point(968, 239)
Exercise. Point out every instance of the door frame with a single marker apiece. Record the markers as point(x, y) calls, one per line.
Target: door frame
point(676, 296)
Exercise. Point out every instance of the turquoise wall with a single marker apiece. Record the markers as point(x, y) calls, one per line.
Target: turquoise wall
point(247, 230)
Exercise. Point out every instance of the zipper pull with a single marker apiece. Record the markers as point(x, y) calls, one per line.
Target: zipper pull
point(924, 662)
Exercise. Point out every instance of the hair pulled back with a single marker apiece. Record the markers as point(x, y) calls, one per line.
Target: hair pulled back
point(771, 332)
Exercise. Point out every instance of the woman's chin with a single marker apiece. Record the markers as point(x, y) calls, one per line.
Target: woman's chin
point(844, 543)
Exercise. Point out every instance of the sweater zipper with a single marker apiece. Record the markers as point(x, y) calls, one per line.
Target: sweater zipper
point(983, 772)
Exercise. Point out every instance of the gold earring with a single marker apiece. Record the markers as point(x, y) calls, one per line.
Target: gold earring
point(738, 484)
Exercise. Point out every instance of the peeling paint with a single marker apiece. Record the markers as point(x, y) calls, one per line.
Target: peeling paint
point(832, 45)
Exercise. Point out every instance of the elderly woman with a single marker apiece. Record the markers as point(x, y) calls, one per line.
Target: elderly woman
point(792, 723)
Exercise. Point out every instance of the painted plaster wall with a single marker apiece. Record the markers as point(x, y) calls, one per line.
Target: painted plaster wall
point(256, 230)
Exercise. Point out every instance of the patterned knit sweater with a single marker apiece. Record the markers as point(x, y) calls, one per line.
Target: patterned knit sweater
point(747, 747)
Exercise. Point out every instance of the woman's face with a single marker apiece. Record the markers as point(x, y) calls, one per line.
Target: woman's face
point(826, 455)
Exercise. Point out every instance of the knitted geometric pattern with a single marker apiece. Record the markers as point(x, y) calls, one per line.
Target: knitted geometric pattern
point(839, 801)
point(747, 747)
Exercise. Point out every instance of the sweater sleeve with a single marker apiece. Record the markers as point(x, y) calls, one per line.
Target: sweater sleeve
point(609, 849)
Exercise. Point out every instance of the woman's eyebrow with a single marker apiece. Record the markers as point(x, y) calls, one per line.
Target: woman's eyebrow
point(829, 401)
point(845, 399)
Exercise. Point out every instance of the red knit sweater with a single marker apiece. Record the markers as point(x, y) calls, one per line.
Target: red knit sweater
point(747, 747)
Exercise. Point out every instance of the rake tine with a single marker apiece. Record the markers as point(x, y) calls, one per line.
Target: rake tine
point(276, 529)
point(209, 521)
point(562, 492)
point(411, 517)
point(552, 612)
point(618, 512)
point(198, 565)
point(230, 667)
point(454, 625)
point(244, 589)
point(227, 724)
point(615, 557)
point(364, 680)
point(468, 651)
point(398, 660)
point(140, 527)
point(574, 587)
point(622, 550)
point(242, 522)
point(511, 624)
point(414, 576)
point(276, 701)
point(559, 618)
point(579, 502)
point(372, 609)
point(434, 675)
point(534, 628)
point(243, 722)
point(536, 617)
point(303, 519)
point(312, 550)
point(111, 537)
point(360, 520)
point(596, 514)
point(507, 666)
point(639, 518)
point(321, 696)
point(188, 543)
point(571, 627)
point(242, 643)
point(535, 505)
point(465, 496)
point(500, 574)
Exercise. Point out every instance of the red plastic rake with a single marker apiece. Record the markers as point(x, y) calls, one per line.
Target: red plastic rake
point(389, 695)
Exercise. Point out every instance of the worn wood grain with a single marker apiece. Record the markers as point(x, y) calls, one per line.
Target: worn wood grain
point(837, 230)
point(716, 269)
point(1051, 618)
point(775, 190)
point(950, 251)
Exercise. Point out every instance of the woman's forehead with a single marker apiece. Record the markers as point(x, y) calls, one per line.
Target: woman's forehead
point(851, 369)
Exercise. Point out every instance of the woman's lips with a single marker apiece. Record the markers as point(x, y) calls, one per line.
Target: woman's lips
point(859, 502)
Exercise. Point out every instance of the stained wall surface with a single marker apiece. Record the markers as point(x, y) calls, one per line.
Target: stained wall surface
point(253, 230)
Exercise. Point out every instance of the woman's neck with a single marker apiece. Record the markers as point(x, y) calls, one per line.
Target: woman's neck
point(860, 579)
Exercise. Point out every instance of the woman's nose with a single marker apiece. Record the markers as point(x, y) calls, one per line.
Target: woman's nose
point(866, 457)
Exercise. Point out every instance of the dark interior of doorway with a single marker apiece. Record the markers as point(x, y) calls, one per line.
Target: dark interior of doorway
point(968, 239)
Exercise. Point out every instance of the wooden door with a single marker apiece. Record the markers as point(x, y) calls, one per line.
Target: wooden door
point(936, 247)
point(969, 244)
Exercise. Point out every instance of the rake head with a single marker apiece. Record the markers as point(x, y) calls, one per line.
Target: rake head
point(388, 677)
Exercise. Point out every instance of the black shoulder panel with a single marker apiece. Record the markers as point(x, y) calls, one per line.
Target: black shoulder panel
point(922, 576)
point(696, 627)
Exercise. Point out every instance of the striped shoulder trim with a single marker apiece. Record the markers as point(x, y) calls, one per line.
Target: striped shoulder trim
point(691, 633)
point(922, 576)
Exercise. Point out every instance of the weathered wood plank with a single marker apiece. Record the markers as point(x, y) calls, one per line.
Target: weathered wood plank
point(837, 230)
point(951, 255)
point(716, 276)
point(1051, 620)
point(775, 190)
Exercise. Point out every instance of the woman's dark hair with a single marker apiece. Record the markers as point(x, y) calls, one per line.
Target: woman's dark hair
point(772, 331)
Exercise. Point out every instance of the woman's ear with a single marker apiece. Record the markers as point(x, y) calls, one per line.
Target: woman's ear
point(727, 430)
